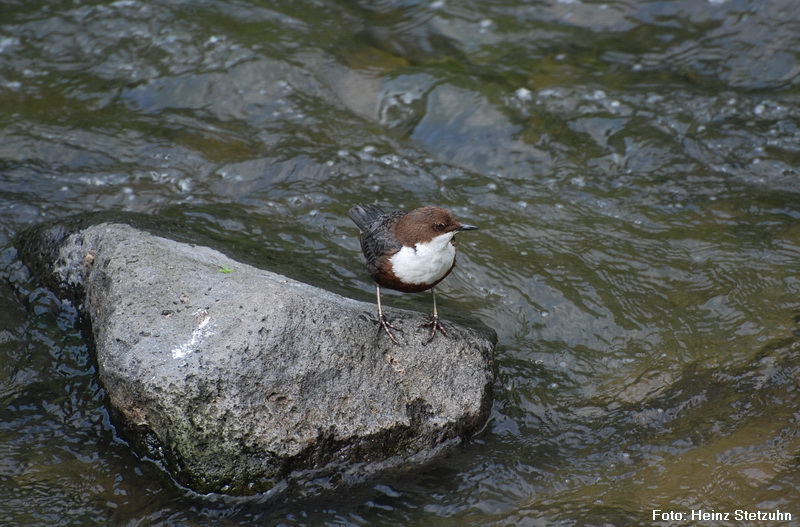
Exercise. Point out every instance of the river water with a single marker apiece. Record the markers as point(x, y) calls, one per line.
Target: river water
point(633, 166)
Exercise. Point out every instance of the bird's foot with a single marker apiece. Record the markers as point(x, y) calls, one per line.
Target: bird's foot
point(435, 325)
point(383, 323)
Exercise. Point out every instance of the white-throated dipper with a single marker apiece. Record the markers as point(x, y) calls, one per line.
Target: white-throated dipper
point(408, 251)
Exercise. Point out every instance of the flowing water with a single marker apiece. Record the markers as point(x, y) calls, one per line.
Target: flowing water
point(633, 166)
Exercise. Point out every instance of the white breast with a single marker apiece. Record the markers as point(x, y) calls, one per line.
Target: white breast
point(425, 263)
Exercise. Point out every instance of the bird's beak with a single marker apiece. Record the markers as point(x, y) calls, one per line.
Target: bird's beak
point(464, 227)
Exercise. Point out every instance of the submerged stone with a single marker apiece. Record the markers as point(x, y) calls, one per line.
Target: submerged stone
point(238, 378)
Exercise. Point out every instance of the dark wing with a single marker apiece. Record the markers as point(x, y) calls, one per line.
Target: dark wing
point(363, 215)
point(377, 238)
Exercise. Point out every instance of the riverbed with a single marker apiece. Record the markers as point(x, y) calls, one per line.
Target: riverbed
point(632, 166)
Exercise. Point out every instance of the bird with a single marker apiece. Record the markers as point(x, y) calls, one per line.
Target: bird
point(408, 251)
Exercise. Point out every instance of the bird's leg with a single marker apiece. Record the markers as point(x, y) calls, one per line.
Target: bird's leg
point(433, 320)
point(382, 320)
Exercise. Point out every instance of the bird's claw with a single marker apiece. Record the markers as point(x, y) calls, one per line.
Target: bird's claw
point(434, 324)
point(383, 323)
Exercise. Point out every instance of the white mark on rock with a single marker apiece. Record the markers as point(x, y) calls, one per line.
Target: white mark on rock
point(200, 332)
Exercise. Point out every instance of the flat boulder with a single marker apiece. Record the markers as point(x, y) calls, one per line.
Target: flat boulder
point(238, 379)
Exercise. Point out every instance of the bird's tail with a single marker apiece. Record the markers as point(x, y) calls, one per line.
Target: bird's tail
point(363, 215)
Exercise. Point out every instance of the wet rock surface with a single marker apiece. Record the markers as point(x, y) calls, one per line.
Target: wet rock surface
point(239, 379)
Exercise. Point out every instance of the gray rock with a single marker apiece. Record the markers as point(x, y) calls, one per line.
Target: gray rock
point(239, 379)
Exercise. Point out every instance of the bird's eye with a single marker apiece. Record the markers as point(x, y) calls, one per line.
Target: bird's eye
point(438, 226)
